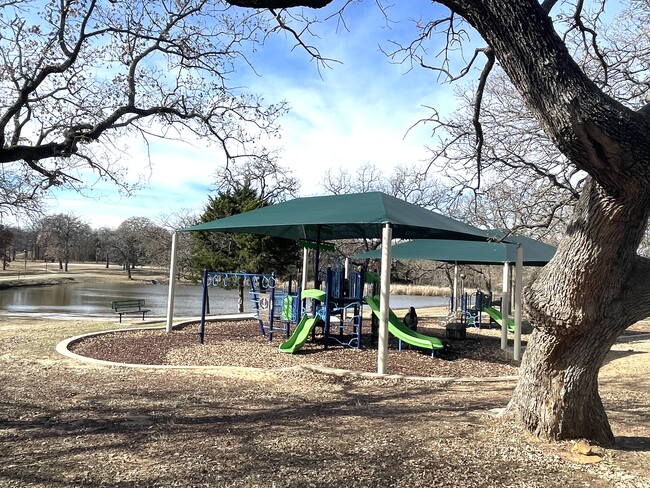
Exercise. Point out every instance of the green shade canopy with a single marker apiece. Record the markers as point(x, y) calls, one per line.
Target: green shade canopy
point(359, 215)
point(356, 215)
point(536, 253)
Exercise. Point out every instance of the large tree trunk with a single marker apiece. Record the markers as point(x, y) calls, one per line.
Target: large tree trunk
point(557, 394)
point(588, 294)
point(580, 303)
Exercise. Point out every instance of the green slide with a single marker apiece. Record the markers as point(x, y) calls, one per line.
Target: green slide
point(300, 335)
point(372, 277)
point(496, 315)
point(400, 330)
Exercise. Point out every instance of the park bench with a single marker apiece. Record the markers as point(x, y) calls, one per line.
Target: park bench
point(122, 307)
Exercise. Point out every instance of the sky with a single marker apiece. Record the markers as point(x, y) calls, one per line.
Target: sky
point(355, 112)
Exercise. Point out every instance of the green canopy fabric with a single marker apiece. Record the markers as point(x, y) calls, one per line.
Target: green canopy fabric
point(331, 217)
point(536, 253)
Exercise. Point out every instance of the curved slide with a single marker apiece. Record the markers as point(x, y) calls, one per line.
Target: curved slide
point(300, 335)
point(496, 315)
point(400, 330)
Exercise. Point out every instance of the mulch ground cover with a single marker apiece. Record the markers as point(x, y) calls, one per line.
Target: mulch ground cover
point(240, 343)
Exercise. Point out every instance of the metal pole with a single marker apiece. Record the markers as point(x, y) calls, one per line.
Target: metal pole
point(203, 301)
point(172, 283)
point(384, 304)
point(505, 305)
point(316, 269)
point(305, 253)
point(518, 291)
point(454, 303)
point(317, 260)
point(328, 290)
point(272, 307)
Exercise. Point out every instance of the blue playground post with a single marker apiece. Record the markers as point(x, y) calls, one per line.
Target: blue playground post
point(271, 308)
point(204, 301)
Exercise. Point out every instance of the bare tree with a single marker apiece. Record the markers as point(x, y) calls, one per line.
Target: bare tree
point(272, 181)
point(516, 154)
point(367, 177)
point(139, 241)
point(77, 76)
point(588, 97)
point(104, 237)
point(6, 241)
point(60, 233)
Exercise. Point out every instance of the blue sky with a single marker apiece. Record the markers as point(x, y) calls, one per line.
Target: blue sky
point(355, 112)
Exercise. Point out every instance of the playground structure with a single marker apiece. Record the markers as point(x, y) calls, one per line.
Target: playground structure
point(276, 309)
point(340, 310)
point(473, 306)
point(336, 310)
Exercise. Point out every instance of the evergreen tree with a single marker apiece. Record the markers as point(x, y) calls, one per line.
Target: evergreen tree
point(240, 252)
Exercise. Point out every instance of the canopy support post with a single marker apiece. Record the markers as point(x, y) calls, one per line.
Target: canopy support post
point(384, 303)
point(505, 305)
point(518, 292)
point(172, 282)
point(454, 304)
point(303, 284)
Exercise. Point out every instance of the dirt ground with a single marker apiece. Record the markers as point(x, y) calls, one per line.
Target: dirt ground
point(65, 422)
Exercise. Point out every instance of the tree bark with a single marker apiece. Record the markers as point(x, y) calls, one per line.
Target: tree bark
point(580, 303)
point(240, 297)
point(557, 394)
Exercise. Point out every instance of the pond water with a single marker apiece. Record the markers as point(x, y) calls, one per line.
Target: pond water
point(94, 300)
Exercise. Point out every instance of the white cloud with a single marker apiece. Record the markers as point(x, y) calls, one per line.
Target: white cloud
point(358, 112)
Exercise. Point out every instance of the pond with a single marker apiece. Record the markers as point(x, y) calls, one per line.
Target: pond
point(94, 299)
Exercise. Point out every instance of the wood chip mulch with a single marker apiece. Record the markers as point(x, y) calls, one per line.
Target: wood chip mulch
point(240, 343)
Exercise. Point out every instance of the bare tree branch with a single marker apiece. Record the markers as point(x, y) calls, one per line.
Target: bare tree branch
point(298, 36)
point(476, 121)
point(92, 72)
point(280, 3)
